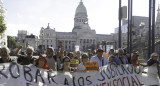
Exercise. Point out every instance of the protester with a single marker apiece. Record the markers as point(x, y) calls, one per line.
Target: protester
point(25, 59)
point(112, 60)
point(78, 55)
point(111, 52)
point(120, 58)
point(51, 58)
point(134, 59)
point(65, 65)
point(90, 53)
point(65, 53)
point(81, 67)
point(99, 58)
point(127, 55)
point(5, 57)
point(153, 61)
point(41, 62)
point(71, 55)
point(60, 54)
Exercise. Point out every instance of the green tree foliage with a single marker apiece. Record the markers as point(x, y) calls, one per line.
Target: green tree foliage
point(2, 25)
point(11, 42)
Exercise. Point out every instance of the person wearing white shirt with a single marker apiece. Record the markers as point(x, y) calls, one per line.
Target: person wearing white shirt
point(81, 67)
point(99, 58)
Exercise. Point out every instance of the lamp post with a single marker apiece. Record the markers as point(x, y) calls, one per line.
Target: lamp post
point(151, 25)
point(129, 41)
point(42, 34)
point(120, 12)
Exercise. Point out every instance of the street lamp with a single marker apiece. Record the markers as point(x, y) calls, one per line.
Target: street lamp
point(42, 34)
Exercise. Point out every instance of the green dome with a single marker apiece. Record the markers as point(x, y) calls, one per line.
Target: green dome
point(81, 9)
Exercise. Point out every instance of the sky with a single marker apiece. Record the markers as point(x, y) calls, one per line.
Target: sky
point(31, 15)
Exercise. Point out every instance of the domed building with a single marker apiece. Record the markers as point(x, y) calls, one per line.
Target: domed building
point(82, 35)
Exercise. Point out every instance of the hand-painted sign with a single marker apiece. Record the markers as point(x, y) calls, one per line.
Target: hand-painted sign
point(91, 66)
point(109, 75)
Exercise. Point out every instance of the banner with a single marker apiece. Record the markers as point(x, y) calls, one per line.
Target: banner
point(109, 75)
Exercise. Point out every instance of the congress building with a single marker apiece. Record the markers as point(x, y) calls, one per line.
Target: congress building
point(82, 35)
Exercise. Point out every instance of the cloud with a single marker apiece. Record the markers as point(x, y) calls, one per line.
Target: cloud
point(19, 15)
point(12, 29)
point(31, 17)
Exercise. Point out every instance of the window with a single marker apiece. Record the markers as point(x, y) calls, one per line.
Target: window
point(47, 35)
point(83, 47)
point(72, 47)
point(66, 42)
point(87, 40)
point(69, 47)
point(47, 46)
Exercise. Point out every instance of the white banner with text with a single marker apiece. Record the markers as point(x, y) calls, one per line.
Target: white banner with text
point(109, 75)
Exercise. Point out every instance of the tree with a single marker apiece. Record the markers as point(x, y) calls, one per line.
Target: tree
point(11, 42)
point(2, 25)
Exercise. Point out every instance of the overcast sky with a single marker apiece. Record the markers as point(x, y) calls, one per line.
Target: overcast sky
point(31, 15)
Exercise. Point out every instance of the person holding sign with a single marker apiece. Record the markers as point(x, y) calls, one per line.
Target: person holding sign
point(41, 62)
point(5, 57)
point(81, 67)
point(66, 64)
point(99, 58)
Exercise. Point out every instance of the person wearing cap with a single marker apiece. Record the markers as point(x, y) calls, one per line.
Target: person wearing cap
point(134, 59)
point(27, 58)
point(153, 61)
point(120, 58)
point(81, 67)
point(99, 58)
point(41, 62)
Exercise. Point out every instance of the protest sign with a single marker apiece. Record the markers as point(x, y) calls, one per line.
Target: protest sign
point(74, 62)
point(109, 75)
point(91, 66)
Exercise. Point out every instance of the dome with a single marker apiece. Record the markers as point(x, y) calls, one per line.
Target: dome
point(81, 9)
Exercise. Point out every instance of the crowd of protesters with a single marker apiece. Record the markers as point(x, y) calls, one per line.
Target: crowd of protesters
point(60, 61)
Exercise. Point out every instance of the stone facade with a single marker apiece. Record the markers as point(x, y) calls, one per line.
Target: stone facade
point(26, 40)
